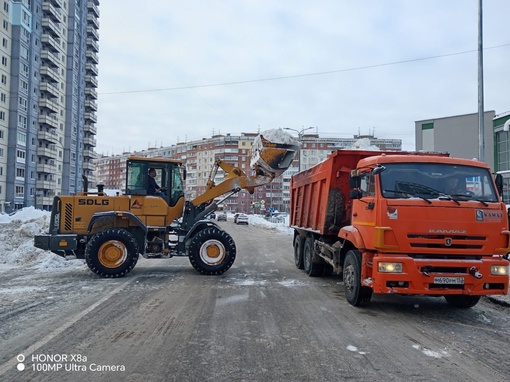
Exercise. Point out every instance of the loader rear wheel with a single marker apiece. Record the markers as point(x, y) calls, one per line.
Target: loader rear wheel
point(355, 293)
point(212, 251)
point(112, 253)
point(462, 301)
point(298, 251)
point(313, 269)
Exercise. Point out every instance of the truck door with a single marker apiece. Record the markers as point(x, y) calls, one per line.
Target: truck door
point(363, 209)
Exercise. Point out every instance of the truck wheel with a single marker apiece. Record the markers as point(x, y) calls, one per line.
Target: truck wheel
point(112, 253)
point(461, 300)
point(212, 251)
point(311, 268)
point(355, 293)
point(298, 251)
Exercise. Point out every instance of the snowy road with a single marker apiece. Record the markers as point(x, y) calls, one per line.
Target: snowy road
point(263, 320)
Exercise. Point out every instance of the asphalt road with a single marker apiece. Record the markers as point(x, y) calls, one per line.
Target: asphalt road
point(263, 320)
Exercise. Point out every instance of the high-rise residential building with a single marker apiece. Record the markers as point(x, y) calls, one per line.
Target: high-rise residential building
point(199, 158)
point(48, 94)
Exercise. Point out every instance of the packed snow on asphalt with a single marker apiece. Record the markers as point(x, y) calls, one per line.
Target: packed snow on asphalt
point(17, 233)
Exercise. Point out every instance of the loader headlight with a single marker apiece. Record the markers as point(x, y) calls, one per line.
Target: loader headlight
point(499, 270)
point(385, 267)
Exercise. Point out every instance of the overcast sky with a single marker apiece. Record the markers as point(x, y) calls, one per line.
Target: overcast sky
point(173, 71)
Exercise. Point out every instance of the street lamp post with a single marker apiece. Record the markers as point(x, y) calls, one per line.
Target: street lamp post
point(300, 136)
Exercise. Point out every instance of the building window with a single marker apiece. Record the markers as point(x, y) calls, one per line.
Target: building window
point(22, 138)
point(20, 156)
point(2, 115)
point(20, 191)
point(20, 173)
point(4, 61)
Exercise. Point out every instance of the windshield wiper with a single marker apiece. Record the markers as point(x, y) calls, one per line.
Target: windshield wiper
point(471, 197)
point(409, 194)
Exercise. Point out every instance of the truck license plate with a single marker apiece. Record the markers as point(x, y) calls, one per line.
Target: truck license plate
point(449, 280)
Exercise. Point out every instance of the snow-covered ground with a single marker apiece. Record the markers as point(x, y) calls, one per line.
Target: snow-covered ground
point(17, 240)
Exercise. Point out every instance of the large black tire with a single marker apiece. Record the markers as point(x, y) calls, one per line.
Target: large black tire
point(299, 242)
point(462, 301)
point(313, 269)
point(112, 253)
point(355, 293)
point(212, 251)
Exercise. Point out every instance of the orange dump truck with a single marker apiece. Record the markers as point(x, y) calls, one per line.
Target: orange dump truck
point(404, 223)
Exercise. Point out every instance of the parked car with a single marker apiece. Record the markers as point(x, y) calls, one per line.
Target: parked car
point(242, 219)
point(222, 216)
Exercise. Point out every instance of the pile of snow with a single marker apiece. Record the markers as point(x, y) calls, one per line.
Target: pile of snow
point(363, 144)
point(17, 249)
point(279, 136)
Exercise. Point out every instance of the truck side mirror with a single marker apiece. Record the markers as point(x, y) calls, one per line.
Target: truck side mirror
point(354, 182)
point(356, 194)
point(499, 184)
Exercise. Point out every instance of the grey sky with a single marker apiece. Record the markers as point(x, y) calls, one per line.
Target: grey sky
point(346, 67)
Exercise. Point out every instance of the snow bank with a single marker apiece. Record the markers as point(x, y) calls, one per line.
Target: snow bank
point(17, 249)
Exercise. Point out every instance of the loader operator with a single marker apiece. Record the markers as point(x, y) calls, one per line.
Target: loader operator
point(152, 186)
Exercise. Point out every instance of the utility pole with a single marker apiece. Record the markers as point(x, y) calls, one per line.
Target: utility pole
point(481, 124)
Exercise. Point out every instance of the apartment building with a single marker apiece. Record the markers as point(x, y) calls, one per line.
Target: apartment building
point(49, 60)
point(199, 158)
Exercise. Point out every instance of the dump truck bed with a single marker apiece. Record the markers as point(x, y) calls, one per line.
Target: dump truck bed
point(319, 197)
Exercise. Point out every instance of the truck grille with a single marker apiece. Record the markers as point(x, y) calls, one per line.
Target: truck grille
point(68, 217)
point(453, 242)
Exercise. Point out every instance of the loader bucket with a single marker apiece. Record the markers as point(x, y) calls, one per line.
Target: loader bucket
point(272, 158)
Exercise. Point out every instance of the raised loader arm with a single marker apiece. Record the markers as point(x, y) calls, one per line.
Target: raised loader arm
point(269, 159)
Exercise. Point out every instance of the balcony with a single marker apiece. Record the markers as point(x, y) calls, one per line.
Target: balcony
point(50, 11)
point(48, 74)
point(49, 58)
point(91, 80)
point(45, 184)
point(92, 57)
point(48, 120)
point(56, 3)
point(47, 152)
point(90, 117)
point(49, 43)
point(93, 45)
point(89, 166)
point(90, 105)
point(46, 168)
point(48, 88)
point(93, 8)
point(45, 103)
point(50, 27)
point(44, 135)
point(89, 141)
point(92, 20)
point(91, 69)
point(91, 92)
point(92, 32)
point(89, 154)
point(90, 128)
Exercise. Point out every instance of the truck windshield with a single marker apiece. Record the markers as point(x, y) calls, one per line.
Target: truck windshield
point(436, 181)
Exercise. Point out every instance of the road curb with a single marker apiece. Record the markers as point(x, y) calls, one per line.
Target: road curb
point(499, 301)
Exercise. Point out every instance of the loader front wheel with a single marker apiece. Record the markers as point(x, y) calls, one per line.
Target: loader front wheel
point(212, 251)
point(355, 293)
point(298, 251)
point(112, 253)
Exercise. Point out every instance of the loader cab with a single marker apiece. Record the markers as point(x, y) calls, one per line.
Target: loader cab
point(168, 177)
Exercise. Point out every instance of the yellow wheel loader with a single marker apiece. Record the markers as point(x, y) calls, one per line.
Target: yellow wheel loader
point(110, 232)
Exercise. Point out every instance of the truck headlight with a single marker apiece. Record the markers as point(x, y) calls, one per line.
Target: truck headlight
point(499, 270)
point(385, 267)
